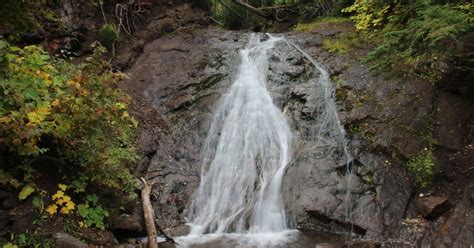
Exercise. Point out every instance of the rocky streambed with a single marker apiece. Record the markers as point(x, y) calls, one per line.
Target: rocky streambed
point(177, 79)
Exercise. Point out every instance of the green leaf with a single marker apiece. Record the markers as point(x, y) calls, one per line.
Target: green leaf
point(10, 56)
point(92, 199)
point(38, 201)
point(31, 93)
point(9, 245)
point(25, 192)
point(83, 210)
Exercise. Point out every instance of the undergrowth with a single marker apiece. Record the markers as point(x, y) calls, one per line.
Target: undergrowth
point(424, 38)
point(73, 114)
point(315, 24)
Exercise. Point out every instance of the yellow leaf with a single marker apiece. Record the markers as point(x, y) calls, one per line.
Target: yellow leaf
point(52, 209)
point(65, 210)
point(63, 187)
point(58, 195)
point(55, 103)
point(5, 119)
point(37, 116)
point(83, 92)
point(70, 205)
point(74, 83)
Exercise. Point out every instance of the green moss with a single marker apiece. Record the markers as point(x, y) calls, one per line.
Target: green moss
point(310, 26)
point(364, 132)
point(337, 80)
point(422, 166)
point(341, 45)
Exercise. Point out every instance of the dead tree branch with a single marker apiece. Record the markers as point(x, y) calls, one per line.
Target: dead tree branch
point(252, 9)
point(149, 214)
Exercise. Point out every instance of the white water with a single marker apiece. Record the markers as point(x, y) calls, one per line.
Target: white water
point(245, 154)
point(328, 130)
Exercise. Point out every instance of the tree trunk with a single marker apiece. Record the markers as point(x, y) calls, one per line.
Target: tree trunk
point(149, 214)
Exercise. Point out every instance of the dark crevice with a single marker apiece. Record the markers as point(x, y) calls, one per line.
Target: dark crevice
point(334, 225)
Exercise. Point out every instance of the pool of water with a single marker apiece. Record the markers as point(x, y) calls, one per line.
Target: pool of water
point(291, 238)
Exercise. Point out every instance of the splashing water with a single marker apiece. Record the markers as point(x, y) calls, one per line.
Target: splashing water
point(245, 154)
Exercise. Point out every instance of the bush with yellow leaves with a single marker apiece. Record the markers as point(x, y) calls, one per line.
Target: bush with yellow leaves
point(61, 201)
point(75, 113)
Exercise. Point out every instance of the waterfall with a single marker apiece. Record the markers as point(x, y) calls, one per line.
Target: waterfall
point(328, 130)
point(239, 199)
point(245, 154)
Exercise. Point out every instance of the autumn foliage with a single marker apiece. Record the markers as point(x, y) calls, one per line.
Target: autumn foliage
point(75, 113)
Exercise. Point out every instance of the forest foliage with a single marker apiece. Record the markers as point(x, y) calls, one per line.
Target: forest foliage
point(428, 38)
point(63, 121)
point(73, 113)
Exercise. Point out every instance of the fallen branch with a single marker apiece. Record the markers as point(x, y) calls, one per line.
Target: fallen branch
point(168, 238)
point(277, 7)
point(252, 9)
point(216, 21)
point(149, 214)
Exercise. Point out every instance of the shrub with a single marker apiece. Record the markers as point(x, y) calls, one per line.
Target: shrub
point(72, 112)
point(108, 34)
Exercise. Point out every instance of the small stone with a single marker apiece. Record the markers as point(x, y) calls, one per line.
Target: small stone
point(421, 195)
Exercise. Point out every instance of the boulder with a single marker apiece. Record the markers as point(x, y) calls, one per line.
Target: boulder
point(64, 240)
point(21, 223)
point(432, 206)
point(126, 222)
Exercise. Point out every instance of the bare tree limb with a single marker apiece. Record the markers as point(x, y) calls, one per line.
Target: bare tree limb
point(168, 238)
point(149, 214)
point(252, 9)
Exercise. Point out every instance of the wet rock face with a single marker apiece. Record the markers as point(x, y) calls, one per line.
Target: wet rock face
point(179, 78)
point(376, 114)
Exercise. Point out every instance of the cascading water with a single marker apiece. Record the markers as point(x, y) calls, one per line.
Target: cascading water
point(245, 155)
point(328, 130)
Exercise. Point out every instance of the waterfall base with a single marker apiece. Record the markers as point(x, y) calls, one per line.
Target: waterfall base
point(289, 238)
